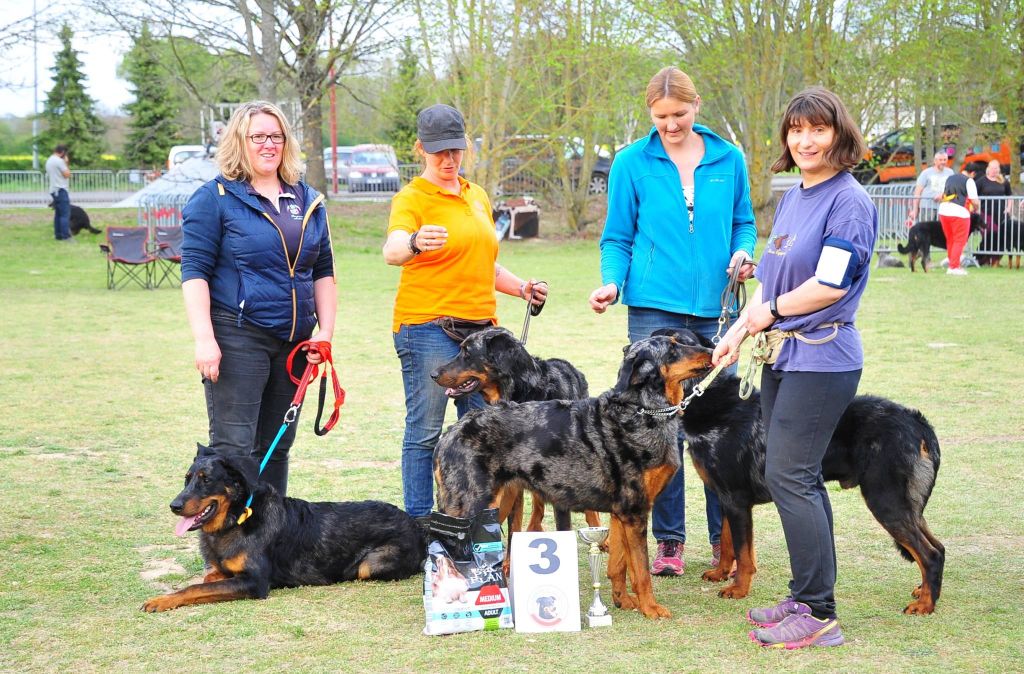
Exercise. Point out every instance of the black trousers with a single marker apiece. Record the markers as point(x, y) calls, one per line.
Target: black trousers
point(246, 406)
point(801, 411)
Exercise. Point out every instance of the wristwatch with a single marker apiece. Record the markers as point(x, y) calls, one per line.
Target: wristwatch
point(413, 248)
point(773, 306)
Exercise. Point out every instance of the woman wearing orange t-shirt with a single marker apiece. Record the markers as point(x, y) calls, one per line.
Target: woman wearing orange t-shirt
point(442, 235)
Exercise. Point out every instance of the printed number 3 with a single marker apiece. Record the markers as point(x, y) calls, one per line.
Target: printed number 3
point(548, 554)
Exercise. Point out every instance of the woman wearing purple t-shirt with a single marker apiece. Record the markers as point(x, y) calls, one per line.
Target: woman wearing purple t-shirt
point(812, 275)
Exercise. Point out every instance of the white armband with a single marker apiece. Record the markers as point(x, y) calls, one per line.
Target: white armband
point(836, 263)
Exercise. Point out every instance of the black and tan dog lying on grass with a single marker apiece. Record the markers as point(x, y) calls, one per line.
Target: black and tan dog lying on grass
point(495, 363)
point(888, 450)
point(285, 542)
point(613, 453)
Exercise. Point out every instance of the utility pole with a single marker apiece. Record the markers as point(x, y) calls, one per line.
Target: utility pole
point(334, 114)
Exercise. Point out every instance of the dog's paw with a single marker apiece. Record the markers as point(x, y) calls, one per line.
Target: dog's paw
point(715, 575)
point(626, 601)
point(158, 604)
point(733, 591)
point(655, 610)
point(920, 607)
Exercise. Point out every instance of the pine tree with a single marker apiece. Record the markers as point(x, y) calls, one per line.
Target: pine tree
point(153, 126)
point(405, 98)
point(69, 111)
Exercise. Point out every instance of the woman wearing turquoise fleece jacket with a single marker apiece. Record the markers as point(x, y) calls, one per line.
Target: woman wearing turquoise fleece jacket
point(679, 219)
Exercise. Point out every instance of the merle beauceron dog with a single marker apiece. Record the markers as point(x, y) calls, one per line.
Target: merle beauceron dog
point(284, 542)
point(888, 450)
point(79, 220)
point(495, 363)
point(613, 453)
point(927, 233)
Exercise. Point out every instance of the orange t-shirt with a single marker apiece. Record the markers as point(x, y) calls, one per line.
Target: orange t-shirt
point(458, 279)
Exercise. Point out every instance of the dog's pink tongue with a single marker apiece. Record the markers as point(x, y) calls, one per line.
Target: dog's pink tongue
point(450, 392)
point(184, 524)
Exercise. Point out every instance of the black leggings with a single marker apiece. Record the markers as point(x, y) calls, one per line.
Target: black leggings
point(801, 410)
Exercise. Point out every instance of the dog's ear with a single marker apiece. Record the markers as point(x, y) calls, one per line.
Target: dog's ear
point(243, 470)
point(636, 367)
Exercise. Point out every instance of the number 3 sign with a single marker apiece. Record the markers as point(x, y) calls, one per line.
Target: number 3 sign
point(545, 581)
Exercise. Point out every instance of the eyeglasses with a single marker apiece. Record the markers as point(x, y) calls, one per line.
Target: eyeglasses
point(261, 138)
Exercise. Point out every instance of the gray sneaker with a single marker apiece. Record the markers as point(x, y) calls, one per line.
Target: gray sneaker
point(798, 631)
point(773, 615)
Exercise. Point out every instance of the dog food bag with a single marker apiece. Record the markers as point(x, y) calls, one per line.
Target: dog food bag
point(464, 589)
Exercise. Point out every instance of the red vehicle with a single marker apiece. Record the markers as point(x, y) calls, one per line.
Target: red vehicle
point(890, 156)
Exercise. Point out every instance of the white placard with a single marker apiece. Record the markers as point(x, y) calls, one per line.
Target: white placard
point(545, 581)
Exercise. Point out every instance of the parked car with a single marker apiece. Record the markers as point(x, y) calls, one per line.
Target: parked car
point(890, 157)
point(180, 153)
point(538, 176)
point(344, 162)
point(373, 168)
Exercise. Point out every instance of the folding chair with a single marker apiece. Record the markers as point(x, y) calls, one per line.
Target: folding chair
point(128, 258)
point(167, 265)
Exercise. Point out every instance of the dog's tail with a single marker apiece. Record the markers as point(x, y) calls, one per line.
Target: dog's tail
point(903, 250)
point(93, 230)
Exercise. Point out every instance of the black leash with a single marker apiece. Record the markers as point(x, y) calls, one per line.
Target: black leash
point(734, 298)
point(531, 310)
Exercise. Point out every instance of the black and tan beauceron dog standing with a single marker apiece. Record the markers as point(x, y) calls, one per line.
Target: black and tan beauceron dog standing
point(888, 450)
point(495, 363)
point(285, 542)
point(927, 233)
point(613, 453)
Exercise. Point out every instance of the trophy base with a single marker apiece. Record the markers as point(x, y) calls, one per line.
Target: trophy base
point(599, 620)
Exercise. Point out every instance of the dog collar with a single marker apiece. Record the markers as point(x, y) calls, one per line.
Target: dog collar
point(697, 392)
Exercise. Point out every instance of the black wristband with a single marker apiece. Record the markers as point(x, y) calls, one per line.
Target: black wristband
point(413, 248)
point(773, 306)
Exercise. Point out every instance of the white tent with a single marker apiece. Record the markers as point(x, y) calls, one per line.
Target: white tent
point(184, 179)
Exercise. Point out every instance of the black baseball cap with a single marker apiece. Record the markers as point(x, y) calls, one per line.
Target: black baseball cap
point(441, 127)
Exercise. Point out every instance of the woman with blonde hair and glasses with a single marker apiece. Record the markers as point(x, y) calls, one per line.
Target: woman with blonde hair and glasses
point(257, 274)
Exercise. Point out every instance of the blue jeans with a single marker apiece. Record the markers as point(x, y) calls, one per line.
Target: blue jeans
point(247, 404)
point(668, 518)
point(422, 349)
point(61, 215)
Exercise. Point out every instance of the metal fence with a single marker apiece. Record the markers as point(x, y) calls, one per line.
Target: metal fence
point(161, 210)
point(87, 185)
point(1003, 220)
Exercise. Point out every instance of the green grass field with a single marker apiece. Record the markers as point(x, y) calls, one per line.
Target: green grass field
point(102, 409)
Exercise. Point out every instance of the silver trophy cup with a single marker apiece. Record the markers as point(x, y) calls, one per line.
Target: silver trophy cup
point(597, 615)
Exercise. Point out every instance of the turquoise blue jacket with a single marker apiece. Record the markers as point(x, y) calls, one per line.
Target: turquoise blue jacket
point(648, 250)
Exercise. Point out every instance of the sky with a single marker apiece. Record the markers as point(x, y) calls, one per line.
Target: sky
point(100, 58)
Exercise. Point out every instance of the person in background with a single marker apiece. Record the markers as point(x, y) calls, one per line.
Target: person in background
point(959, 200)
point(996, 208)
point(257, 270)
point(928, 191)
point(58, 172)
point(812, 275)
point(441, 233)
point(679, 220)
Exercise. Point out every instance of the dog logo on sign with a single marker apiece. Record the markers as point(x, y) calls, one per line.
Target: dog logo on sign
point(548, 606)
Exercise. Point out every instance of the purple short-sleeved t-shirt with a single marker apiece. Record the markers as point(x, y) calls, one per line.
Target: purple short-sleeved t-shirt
point(838, 210)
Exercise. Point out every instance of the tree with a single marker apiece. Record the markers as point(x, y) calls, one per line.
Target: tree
point(153, 111)
point(405, 98)
point(69, 111)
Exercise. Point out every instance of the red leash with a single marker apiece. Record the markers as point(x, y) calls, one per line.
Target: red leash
point(311, 373)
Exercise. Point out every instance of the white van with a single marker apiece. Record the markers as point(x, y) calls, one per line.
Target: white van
point(180, 153)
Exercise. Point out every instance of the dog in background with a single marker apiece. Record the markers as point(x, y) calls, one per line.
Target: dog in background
point(613, 453)
point(79, 220)
point(928, 233)
point(283, 542)
point(888, 450)
point(495, 363)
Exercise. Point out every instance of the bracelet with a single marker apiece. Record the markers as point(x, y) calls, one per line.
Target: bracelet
point(522, 290)
point(413, 248)
point(773, 306)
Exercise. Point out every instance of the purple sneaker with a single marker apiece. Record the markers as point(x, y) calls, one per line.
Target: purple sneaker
point(773, 615)
point(716, 554)
point(669, 559)
point(798, 630)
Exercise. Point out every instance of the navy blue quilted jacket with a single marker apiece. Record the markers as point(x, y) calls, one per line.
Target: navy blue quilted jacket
point(232, 243)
